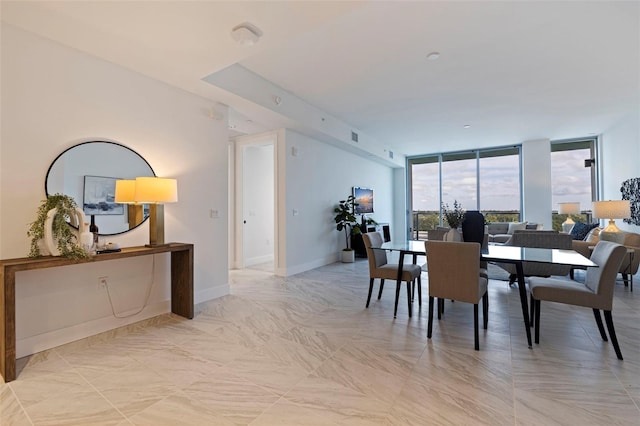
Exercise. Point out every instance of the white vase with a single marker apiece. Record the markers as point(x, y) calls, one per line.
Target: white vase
point(454, 234)
point(50, 243)
point(348, 256)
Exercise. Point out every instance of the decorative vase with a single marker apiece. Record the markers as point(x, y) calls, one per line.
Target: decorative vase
point(50, 243)
point(454, 234)
point(348, 256)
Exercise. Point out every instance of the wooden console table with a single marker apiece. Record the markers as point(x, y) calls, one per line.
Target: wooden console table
point(181, 289)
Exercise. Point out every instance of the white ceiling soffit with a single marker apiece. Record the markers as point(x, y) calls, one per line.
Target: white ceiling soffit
point(513, 71)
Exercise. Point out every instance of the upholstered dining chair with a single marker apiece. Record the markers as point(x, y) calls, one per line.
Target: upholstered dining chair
point(596, 292)
point(454, 273)
point(379, 268)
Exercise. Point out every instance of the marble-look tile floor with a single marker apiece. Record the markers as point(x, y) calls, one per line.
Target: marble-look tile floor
point(303, 350)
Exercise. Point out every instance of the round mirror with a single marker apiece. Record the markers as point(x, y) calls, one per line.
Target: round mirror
point(88, 172)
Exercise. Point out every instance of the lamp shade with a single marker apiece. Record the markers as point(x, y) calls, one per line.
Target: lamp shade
point(155, 190)
point(125, 191)
point(616, 209)
point(569, 208)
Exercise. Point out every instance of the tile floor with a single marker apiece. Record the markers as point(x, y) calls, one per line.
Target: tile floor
point(304, 351)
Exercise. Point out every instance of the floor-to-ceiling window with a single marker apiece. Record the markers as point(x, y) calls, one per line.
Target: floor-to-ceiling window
point(487, 180)
point(499, 177)
point(573, 178)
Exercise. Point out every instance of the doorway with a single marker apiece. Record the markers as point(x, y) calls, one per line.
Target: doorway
point(255, 206)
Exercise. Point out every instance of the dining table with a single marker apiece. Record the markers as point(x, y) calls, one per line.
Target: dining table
point(500, 253)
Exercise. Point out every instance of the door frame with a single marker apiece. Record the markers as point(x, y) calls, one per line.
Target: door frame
point(240, 143)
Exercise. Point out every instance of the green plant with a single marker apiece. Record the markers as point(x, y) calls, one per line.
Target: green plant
point(66, 241)
point(455, 216)
point(346, 219)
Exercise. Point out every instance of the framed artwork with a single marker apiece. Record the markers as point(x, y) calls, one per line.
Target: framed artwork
point(99, 196)
point(631, 191)
point(364, 198)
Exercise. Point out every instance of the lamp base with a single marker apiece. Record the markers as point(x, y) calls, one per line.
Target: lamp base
point(611, 227)
point(567, 225)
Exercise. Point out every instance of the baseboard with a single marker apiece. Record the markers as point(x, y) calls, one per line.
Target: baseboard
point(41, 342)
point(297, 269)
point(52, 339)
point(258, 260)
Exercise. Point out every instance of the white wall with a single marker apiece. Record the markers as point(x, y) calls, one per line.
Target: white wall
point(620, 160)
point(54, 97)
point(317, 177)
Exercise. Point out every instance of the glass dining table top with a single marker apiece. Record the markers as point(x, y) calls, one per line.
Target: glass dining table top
point(505, 253)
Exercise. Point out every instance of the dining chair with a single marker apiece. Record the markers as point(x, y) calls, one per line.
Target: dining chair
point(454, 273)
point(596, 292)
point(381, 269)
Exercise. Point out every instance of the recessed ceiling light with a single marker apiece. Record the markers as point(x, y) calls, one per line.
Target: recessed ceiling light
point(466, 126)
point(433, 56)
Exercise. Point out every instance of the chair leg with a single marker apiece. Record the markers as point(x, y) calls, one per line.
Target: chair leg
point(512, 279)
point(413, 290)
point(537, 333)
point(532, 311)
point(612, 333)
point(430, 321)
point(475, 327)
point(419, 291)
point(571, 273)
point(485, 310)
point(596, 314)
point(395, 309)
point(370, 290)
point(409, 297)
point(625, 279)
point(381, 287)
point(440, 307)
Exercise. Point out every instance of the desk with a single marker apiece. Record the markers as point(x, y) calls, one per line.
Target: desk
point(505, 254)
point(181, 289)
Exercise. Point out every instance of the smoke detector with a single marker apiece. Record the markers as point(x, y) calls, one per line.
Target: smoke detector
point(246, 34)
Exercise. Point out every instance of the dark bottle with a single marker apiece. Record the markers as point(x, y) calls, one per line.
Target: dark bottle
point(93, 228)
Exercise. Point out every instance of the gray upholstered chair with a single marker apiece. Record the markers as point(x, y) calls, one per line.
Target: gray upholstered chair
point(538, 239)
point(454, 273)
point(379, 268)
point(595, 293)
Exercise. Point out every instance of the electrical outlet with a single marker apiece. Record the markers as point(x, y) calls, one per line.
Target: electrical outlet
point(102, 282)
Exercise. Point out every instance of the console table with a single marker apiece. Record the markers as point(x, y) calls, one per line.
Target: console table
point(181, 289)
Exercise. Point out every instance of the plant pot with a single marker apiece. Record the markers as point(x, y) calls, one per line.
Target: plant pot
point(348, 256)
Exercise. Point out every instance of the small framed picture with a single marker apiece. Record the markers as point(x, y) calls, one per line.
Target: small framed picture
point(99, 196)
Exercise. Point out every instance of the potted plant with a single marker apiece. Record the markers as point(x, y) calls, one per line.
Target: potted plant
point(454, 217)
point(65, 240)
point(346, 221)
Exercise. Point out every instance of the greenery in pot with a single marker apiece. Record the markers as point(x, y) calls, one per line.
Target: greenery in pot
point(346, 219)
point(455, 216)
point(66, 241)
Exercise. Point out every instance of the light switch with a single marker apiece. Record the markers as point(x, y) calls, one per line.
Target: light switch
point(295, 212)
point(214, 214)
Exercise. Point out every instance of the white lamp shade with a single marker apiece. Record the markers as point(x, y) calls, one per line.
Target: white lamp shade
point(125, 191)
point(616, 209)
point(155, 190)
point(569, 208)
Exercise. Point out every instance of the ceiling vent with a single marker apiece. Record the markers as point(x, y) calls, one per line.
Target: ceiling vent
point(354, 136)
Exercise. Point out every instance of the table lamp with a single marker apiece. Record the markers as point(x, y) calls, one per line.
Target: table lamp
point(156, 191)
point(568, 209)
point(616, 209)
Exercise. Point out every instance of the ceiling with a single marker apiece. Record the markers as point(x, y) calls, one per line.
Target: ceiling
point(511, 71)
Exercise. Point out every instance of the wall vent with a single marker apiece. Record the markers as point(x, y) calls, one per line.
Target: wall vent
point(354, 136)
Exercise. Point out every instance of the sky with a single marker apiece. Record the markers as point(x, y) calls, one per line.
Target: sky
point(499, 177)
